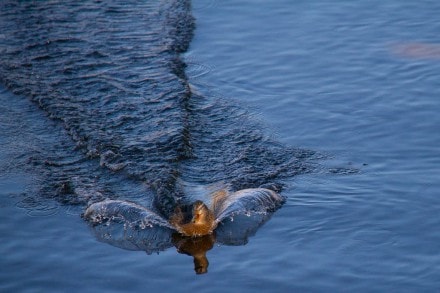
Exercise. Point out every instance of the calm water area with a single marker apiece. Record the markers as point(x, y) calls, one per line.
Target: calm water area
point(355, 81)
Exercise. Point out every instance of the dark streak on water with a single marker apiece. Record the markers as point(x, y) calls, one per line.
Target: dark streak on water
point(111, 73)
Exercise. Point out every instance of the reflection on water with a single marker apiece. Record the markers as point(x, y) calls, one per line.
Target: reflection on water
point(197, 248)
point(235, 217)
point(159, 238)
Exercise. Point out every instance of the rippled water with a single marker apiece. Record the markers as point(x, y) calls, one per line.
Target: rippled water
point(355, 82)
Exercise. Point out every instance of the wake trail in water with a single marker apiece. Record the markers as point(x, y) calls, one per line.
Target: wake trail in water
point(111, 72)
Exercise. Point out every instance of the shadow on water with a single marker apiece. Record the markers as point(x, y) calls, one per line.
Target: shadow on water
point(110, 72)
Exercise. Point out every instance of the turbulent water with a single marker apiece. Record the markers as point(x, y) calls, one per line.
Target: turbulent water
point(111, 73)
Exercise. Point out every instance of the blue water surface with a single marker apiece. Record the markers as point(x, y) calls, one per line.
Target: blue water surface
point(357, 81)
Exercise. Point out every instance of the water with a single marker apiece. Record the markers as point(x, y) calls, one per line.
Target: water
point(354, 82)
